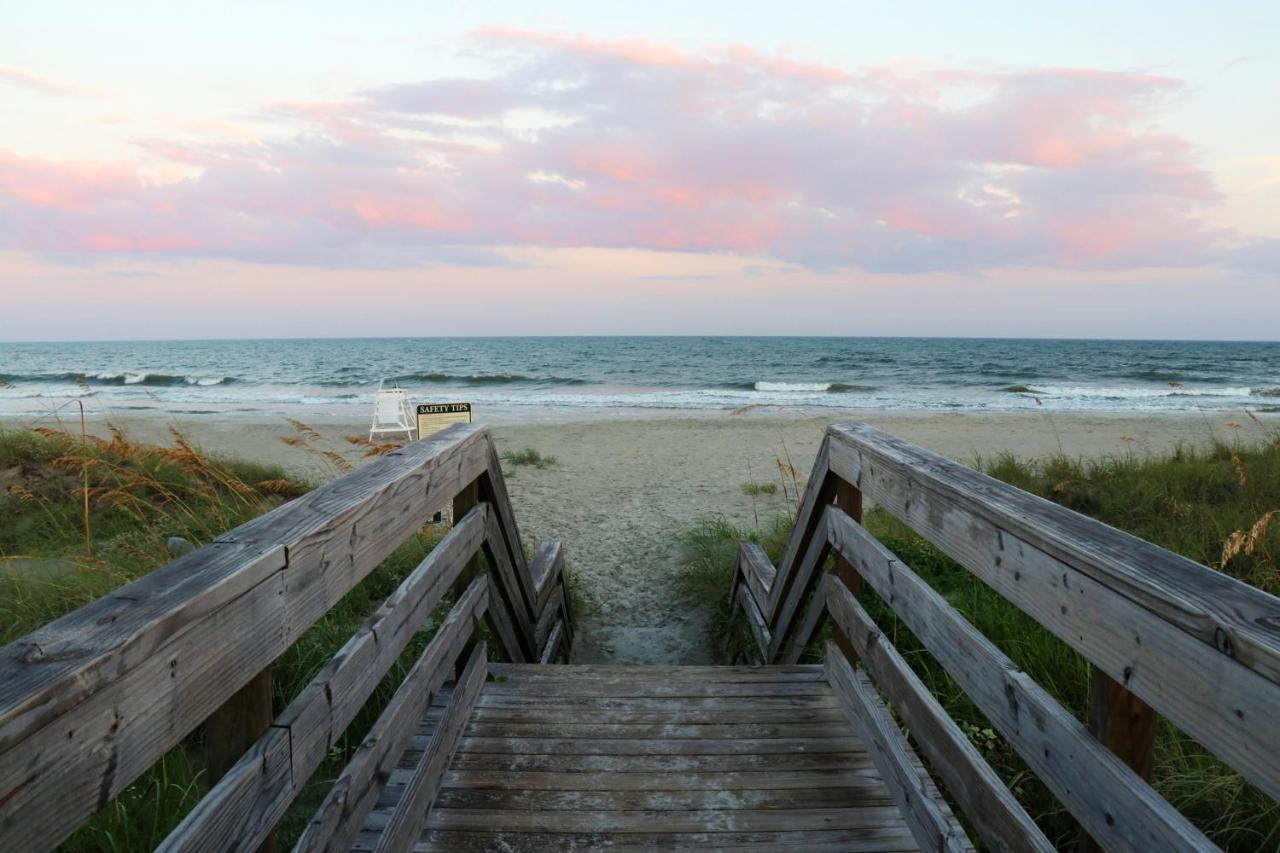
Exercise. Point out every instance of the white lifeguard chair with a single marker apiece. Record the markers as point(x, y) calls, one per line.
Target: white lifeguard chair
point(391, 413)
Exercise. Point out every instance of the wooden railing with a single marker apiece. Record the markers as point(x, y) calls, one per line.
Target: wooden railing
point(1163, 634)
point(92, 700)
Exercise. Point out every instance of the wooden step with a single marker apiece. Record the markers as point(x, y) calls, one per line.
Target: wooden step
point(643, 758)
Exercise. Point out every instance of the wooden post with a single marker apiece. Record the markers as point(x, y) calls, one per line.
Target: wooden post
point(849, 501)
point(1125, 724)
point(234, 727)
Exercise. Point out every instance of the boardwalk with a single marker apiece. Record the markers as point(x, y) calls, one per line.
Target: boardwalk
point(494, 741)
point(582, 757)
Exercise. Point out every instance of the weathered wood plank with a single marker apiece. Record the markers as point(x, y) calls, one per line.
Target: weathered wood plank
point(1117, 807)
point(866, 840)
point(802, 580)
point(508, 592)
point(1057, 579)
point(658, 746)
point(541, 728)
point(803, 634)
point(995, 813)
point(756, 570)
point(551, 650)
point(415, 803)
point(498, 618)
point(550, 615)
point(651, 672)
point(668, 704)
point(91, 700)
point(888, 749)
point(1236, 619)
point(820, 490)
point(624, 688)
point(870, 793)
point(650, 763)
point(671, 821)
point(342, 813)
point(493, 488)
point(855, 771)
point(755, 620)
point(545, 570)
point(321, 712)
point(235, 820)
point(671, 712)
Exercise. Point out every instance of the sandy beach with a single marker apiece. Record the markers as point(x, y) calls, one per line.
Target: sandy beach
point(622, 489)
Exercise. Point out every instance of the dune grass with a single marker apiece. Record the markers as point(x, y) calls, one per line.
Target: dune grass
point(1216, 506)
point(757, 489)
point(529, 457)
point(139, 496)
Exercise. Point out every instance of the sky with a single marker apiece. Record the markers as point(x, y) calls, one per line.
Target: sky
point(350, 169)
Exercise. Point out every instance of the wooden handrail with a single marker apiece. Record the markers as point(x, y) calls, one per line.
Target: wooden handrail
point(1199, 647)
point(90, 701)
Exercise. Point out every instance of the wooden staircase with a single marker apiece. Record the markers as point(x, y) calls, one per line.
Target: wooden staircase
point(652, 757)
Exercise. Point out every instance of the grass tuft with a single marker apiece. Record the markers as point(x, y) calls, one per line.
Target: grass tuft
point(757, 489)
point(529, 457)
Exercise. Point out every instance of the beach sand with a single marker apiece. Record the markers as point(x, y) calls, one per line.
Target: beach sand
point(623, 488)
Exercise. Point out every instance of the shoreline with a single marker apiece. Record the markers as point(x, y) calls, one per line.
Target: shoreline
point(624, 488)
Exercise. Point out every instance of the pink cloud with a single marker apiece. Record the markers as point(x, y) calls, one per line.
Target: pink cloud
point(47, 85)
point(577, 142)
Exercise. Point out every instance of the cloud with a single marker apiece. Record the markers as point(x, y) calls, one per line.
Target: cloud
point(571, 141)
point(47, 85)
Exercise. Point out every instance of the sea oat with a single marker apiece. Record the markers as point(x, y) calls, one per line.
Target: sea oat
point(304, 429)
point(338, 461)
point(1259, 530)
point(1243, 473)
point(1234, 545)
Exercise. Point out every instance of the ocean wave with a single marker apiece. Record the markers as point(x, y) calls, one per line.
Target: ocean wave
point(1137, 393)
point(792, 387)
point(489, 379)
point(147, 380)
point(801, 387)
point(1266, 392)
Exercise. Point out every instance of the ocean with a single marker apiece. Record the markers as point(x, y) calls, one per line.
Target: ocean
point(513, 378)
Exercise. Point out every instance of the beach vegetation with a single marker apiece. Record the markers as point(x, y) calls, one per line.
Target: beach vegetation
point(757, 489)
point(1218, 505)
point(529, 457)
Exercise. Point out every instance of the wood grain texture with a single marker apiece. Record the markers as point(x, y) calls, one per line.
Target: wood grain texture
point(995, 813)
point(1096, 589)
point(658, 757)
point(888, 748)
point(757, 572)
point(317, 717)
point(90, 701)
point(820, 490)
point(341, 815)
point(755, 620)
point(802, 581)
point(1237, 620)
point(420, 791)
point(1117, 807)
